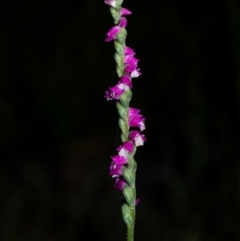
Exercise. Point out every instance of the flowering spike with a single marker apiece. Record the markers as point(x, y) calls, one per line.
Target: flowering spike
point(123, 166)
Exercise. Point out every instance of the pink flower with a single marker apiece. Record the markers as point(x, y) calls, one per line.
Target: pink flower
point(132, 70)
point(115, 171)
point(119, 160)
point(134, 112)
point(112, 3)
point(125, 11)
point(128, 51)
point(112, 33)
point(135, 73)
point(137, 137)
point(131, 63)
point(125, 149)
point(130, 60)
point(123, 22)
point(125, 79)
point(135, 119)
point(119, 184)
point(116, 91)
point(137, 201)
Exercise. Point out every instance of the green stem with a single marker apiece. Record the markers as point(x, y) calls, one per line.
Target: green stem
point(130, 227)
point(130, 232)
point(129, 192)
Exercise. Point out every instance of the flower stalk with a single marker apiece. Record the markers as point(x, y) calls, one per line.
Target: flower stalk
point(131, 122)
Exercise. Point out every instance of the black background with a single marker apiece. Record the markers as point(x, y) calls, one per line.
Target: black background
point(58, 132)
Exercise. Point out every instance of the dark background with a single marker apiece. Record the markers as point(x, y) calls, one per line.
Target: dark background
point(58, 132)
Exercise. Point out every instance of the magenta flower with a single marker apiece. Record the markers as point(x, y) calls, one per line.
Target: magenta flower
point(137, 201)
point(128, 51)
point(130, 60)
point(115, 171)
point(125, 79)
point(116, 91)
point(113, 93)
point(119, 160)
point(135, 119)
point(137, 137)
point(119, 184)
point(123, 22)
point(111, 3)
point(131, 63)
point(135, 73)
point(112, 33)
point(125, 149)
point(134, 112)
point(125, 11)
point(132, 70)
